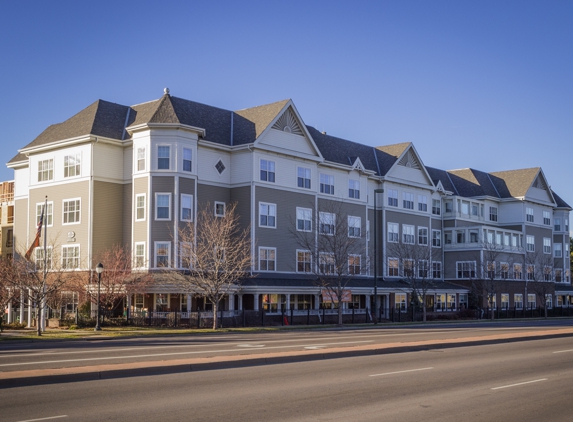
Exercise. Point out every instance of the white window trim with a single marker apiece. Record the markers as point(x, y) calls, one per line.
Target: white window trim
point(183, 160)
point(156, 206)
point(135, 256)
point(388, 267)
point(274, 172)
point(215, 208)
point(397, 233)
point(38, 170)
point(304, 210)
point(359, 226)
point(268, 204)
point(310, 262)
point(41, 204)
point(353, 255)
point(79, 257)
point(322, 216)
point(155, 253)
point(136, 161)
point(439, 238)
point(275, 260)
point(63, 212)
point(50, 254)
point(78, 157)
point(427, 236)
point(303, 178)
point(157, 160)
point(144, 206)
point(181, 206)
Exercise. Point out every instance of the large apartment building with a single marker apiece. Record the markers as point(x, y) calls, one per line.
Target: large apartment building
point(133, 175)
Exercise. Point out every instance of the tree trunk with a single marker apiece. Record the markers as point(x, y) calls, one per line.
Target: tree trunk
point(424, 311)
point(215, 309)
point(340, 314)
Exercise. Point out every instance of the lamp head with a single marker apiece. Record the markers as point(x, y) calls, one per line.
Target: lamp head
point(99, 268)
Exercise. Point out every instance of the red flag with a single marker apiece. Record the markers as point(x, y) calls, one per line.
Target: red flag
point(36, 242)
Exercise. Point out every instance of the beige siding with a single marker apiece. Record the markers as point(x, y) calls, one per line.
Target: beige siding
point(108, 216)
point(127, 213)
point(21, 241)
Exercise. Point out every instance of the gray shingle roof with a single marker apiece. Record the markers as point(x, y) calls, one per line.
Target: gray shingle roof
point(438, 175)
point(560, 202)
point(388, 154)
point(514, 183)
point(261, 117)
point(472, 183)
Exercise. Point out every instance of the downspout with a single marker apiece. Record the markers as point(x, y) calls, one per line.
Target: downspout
point(253, 210)
point(91, 219)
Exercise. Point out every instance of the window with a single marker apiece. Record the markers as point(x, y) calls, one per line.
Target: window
point(475, 209)
point(474, 236)
point(49, 213)
point(492, 213)
point(392, 198)
point(448, 237)
point(72, 165)
point(465, 206)
point(558, 275)
point(186, 207)
point(326, 223)
point(162, 254)
point(408, 267)
point(517, 272)
point(460, 236)
point(303, 261)
point(449, 205)
point(436, 238)
point(422, 203)
point(436, 207)
point(70, 257)
point(45, 170)
point(566, 221)
point(393, 234)
point(139, 257)
point(140, 159)
point(408, 234)
point(504, 270)
point(393, 267)
point(354, 189)
point(39, 258)
point(530, 240)
point(326, 263)
point(437, 270)
point(267, 259)
point(529, 214)
point(354, 264)
point(219, 209)
point(530, 301)
point(547, 218)
point(548, 301)
point(463, 300)
point(408, 200)
point(326, 184)
point(531, 272)
point(547, 273)
point(163, 153)
point(187, 159)
point(546, 245)
point(518, 300)
point(186, 255)
point(422, 235)
point(557, 247)
point(354, 225)
point(220, 167)
point(491, 270)
point(162, 206)
point(557, 224)
point(267, 215)
point(401, 302)
point(423, 268)
point(268, 171)
point(71, 211)
point(303, 177)
point(304, 219)
point(466, 269)
point(140, 207)
point(505, 301)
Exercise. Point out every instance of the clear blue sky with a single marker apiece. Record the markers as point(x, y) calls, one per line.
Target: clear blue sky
point(481, 84)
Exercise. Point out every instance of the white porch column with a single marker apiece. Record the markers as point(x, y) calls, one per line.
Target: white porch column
point(256, 305)
point(9, 312)
point(29, 308)
point(189, 301)
point(316, 301)
point(287, 303)
point(240, 302)
point(22, 305)
point(369, 302)
point(231, 301)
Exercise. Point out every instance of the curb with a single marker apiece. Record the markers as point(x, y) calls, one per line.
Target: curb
point(78, 374)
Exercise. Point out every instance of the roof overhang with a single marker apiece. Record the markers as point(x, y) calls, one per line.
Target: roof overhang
point(148, 126)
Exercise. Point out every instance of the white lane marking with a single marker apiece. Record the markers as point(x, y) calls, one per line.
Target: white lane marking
point(250, 345)
point(519, 383)
point(166, 354)
point(45, 419)
point(564, 351)
point(401, 372)
point(314, 347)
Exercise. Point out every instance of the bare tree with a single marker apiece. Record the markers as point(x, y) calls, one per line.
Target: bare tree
point(335, 249)
point(491, 271)
point(415, 256)
point(118, 280)
point(539, 271)
point(215, 254)
point(8, 289)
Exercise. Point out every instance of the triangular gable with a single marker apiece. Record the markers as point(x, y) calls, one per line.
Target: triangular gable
point(540, 189)
point(357, 164)
point(287, 132)
point(409, 167)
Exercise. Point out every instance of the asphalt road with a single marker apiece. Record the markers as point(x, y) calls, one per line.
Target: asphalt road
point(523, 381)
point(67, 354)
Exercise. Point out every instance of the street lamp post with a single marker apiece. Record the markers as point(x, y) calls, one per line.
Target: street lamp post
point(99, 270)
point(376, 191)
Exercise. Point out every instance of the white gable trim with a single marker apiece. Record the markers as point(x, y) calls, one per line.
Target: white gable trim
point(407, 155)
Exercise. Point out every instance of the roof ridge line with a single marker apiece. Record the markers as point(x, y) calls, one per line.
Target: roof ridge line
point(493, 184)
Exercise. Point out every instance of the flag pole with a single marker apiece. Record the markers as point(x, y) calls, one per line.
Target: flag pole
point(45, 269)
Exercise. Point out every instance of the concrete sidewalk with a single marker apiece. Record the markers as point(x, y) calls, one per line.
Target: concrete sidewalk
point(110, 371)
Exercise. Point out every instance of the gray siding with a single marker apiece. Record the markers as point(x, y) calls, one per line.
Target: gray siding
point(107, 227)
